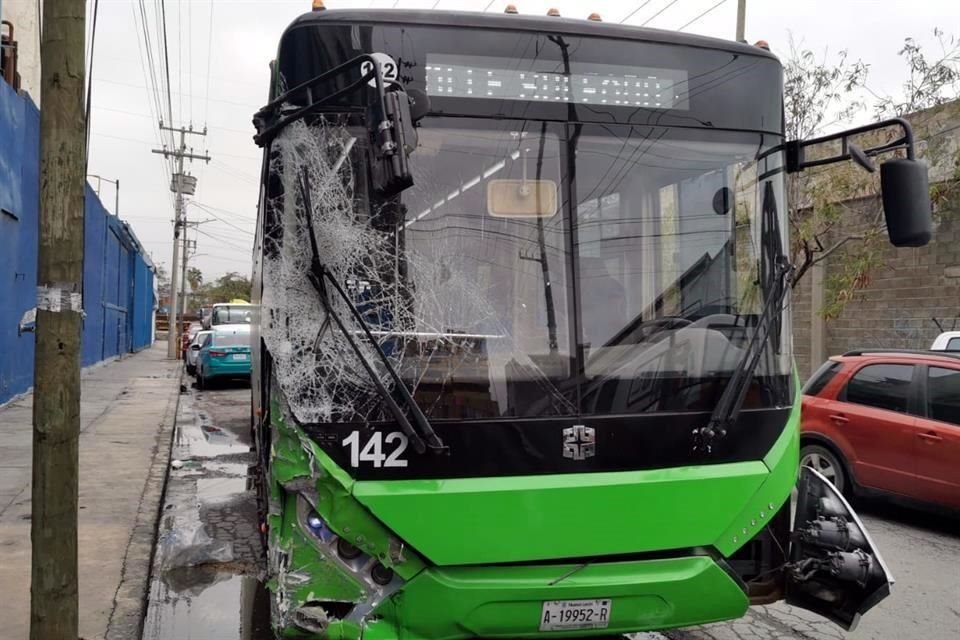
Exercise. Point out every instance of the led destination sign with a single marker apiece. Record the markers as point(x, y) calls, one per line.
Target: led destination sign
point(454, 76)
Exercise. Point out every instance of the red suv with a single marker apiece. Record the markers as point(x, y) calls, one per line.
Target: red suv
point(887, 422)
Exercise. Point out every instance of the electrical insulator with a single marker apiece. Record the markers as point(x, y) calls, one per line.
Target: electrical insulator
point(595, 17)
point(554, 13)
point(511, 8)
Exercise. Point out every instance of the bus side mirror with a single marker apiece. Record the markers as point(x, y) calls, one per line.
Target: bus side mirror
point(393, 139)
point(905, 187)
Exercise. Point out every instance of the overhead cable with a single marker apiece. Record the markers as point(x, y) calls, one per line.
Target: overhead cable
point(702, 15)
point(669, 4)
point(634, 12)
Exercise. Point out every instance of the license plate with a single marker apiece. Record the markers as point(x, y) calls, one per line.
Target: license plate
point(240, 356)
point(559, 615)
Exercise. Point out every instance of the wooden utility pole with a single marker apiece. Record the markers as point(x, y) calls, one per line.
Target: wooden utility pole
point(741, 20)
point(56, 378)
point(182, 185)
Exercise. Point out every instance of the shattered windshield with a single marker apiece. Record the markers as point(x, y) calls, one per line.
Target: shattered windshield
point(533, 270)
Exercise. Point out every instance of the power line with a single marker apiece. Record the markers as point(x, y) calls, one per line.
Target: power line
point(228, 212)
point(166, 61)
point(670, 4)
point(224, 221)
point(489, 5)
point(221, 240)
point(206, 96)
point(93, 39)
point(634, 12)
point(190, 51)
point(702, 15)
point(180, 58)
point(137, 86)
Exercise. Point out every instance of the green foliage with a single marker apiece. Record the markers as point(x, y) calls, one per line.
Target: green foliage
point(226, 288)
point(195, 278)
point(850, 275)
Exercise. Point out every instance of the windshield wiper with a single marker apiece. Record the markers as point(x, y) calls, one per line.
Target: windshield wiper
point(319, 275)
point(728, 408)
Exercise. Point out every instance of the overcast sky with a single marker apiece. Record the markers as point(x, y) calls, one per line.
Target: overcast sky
point(243, 36)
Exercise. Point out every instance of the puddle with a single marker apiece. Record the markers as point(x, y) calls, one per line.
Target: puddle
point(207, 603)
point(209, 489)
point(203, 439)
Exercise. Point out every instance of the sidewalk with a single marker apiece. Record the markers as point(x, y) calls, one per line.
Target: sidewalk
point(127, 416)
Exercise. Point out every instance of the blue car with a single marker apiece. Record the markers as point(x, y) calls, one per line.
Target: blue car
point(225, 354)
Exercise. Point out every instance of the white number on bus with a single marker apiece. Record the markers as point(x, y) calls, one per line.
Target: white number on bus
point(372, 450)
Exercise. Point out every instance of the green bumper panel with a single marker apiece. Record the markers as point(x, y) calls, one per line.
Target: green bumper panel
point(501, 602)
point(500, 520)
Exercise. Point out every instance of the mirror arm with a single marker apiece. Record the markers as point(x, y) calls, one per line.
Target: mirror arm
point(796, 149)
point(271, 119)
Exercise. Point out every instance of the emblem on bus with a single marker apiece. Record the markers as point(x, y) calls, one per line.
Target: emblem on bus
point(579, 442)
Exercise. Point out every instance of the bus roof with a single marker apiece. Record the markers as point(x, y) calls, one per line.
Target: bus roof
point(520, 22)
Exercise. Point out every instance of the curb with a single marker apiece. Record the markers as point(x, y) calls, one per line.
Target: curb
point(130, 600)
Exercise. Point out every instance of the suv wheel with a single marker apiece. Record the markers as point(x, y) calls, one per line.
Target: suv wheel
point(824, 461)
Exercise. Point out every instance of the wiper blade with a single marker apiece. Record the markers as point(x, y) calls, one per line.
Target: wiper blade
point(318, 276)
point(728, 408)
point(777, 282)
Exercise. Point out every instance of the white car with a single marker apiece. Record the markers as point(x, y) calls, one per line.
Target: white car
point(947, 341)
point(194, 349)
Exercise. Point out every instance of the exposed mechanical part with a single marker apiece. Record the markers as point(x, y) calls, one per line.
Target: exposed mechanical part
point(858, 566)
point(311, 617)
point(834, 533)
point(381, 574)
point(347, 550)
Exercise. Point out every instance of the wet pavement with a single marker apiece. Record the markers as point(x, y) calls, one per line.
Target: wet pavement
point(209, 522)
point(225, 599)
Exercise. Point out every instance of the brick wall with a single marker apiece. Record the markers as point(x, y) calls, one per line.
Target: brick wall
point(802, 306)
point(912, 287)
point(896, 308)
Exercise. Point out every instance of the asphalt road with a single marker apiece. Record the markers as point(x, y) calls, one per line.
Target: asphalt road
point(226, 600)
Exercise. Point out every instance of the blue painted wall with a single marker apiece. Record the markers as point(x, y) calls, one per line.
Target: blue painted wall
point(117, 275)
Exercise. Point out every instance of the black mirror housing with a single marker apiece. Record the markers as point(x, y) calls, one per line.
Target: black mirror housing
point(905, 186)
point(393, 138)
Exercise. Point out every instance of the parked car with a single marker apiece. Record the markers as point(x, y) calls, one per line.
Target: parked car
point(193, 352)
point(886, 422)
point(947, 341)
point(187, 337)
point(226, 354)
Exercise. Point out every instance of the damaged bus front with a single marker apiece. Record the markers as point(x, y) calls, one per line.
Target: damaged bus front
point(523, 355)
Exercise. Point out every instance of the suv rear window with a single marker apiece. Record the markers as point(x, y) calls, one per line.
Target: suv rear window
point(822, 377)
point(885, 386)
point(953, 344)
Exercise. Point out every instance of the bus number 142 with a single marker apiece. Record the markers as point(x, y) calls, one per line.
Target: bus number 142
point(372, 452)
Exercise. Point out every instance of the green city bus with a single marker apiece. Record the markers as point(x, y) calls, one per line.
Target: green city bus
point(522, 345)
